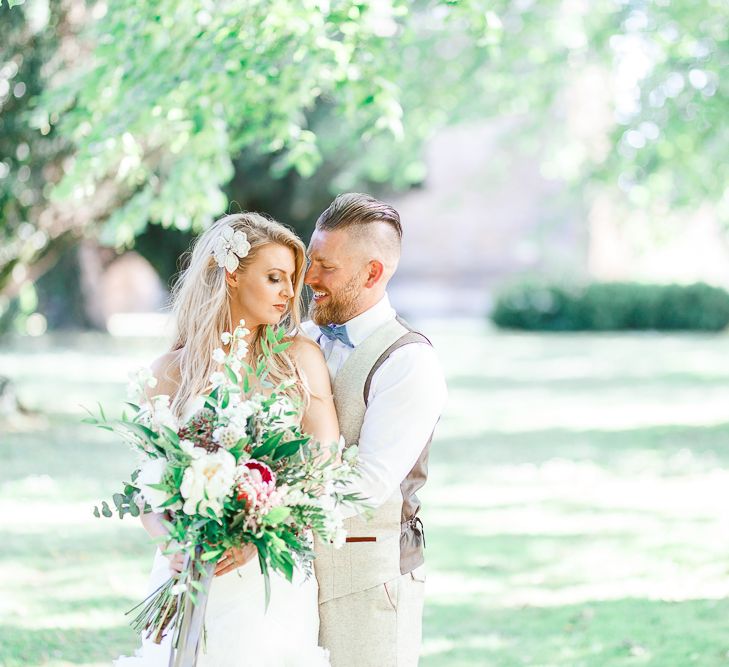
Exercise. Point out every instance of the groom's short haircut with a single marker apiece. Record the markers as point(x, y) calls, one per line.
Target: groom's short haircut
point(355, 209)
point(368, 220)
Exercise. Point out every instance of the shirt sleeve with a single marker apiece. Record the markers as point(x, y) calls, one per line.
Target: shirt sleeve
point(407, 396)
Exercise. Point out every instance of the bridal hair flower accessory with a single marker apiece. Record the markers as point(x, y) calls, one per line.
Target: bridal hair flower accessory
point(230, 247)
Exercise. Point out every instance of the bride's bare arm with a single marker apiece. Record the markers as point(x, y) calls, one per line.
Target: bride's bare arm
point(165, 369)
point(320, 418)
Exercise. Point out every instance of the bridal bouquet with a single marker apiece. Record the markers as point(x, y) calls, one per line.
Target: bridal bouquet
point(239, 470)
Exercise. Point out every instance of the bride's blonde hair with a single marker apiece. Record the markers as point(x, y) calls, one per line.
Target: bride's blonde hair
point(201, 306)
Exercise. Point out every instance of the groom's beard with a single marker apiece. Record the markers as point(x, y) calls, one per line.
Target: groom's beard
point(340, 307)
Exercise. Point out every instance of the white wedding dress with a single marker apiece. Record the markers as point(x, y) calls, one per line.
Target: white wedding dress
point(239, 631)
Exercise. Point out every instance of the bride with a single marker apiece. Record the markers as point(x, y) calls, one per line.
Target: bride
point(248, 267)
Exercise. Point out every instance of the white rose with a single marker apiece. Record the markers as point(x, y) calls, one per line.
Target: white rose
point(207, 481)
point(151, 472)
point(162, 414)
point(187, 446)
point(247, 408)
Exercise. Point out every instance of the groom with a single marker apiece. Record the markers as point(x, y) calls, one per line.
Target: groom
point(389, 392)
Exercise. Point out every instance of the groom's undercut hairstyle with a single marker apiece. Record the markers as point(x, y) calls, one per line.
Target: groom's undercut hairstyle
point(373, 224)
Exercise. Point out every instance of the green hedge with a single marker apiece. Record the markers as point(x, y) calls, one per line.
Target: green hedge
point(613, 307)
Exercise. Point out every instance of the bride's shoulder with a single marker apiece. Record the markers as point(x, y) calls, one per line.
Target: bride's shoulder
point(304, 349)
point(308, 357)
point(166, 368)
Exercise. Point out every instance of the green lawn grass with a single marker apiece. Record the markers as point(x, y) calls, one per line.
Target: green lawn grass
point(575, 513)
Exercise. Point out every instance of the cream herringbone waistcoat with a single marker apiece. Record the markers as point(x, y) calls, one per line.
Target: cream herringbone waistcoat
point(397, 545)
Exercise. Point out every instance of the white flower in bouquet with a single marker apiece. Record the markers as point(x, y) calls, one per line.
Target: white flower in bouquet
point(178, 588)
point(226, 337)
point(187, 446)
point(228, 436)
point(334, 526)
point(327, 500)
point(217, 379)
point(239, 411)
point(349, 454)
point(207, 481)
point(242, 349)
point(139, 381)
point(163, 416)
point(218, 355)
point(151, 472)
point(294, 497)
point(339, 538)
point(156, 413)
point(233, 412)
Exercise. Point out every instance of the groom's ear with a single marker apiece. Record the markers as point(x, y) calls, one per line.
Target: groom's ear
point(375, 269)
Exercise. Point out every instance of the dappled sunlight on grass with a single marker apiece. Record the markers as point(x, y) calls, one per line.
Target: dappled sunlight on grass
point(574, 512)
point(621, 632)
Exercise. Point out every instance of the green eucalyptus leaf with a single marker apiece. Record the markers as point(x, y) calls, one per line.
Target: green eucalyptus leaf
point(277, 515)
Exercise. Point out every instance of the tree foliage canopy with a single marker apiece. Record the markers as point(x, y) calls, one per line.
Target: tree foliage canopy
point(162, 112)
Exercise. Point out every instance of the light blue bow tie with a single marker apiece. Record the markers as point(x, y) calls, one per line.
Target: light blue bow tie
point(337, 332)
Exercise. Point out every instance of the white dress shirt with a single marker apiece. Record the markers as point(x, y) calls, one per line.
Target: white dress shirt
point(406, 398)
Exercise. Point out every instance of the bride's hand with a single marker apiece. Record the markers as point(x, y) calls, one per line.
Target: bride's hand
point(235, 558)
point(176, 560)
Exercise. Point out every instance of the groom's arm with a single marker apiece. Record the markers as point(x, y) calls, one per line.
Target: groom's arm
point(407, 396)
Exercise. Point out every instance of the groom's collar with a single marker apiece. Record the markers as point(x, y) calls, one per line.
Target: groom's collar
point(365, 324)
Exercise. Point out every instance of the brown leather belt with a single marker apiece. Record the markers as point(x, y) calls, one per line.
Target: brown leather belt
point(360, 539)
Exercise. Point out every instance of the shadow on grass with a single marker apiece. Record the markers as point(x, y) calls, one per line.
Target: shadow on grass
point(613, 633)
point(79, 549)
point(79, 459)
point(485, 384)
point(706, 444)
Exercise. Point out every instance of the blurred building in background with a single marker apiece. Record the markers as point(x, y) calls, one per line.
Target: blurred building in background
point(485, 216)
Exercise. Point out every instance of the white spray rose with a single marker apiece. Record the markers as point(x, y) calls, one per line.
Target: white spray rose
point(207, 481)
point(151, 472)
point(162, 415)
point(139, 380)
point(156, 413)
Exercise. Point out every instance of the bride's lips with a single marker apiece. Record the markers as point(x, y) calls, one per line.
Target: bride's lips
point(281, 307)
